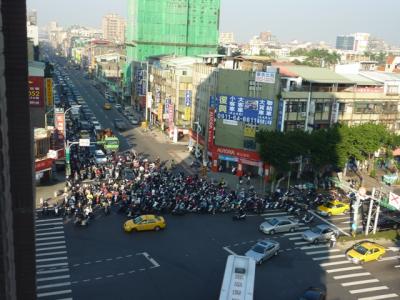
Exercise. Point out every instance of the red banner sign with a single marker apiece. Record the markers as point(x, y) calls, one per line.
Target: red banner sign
point(36, 91)
point(211, 122)
point(243, 154)
point(42, 165)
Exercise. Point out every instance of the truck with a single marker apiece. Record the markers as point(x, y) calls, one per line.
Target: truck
point(107, 140)
point(238, 281)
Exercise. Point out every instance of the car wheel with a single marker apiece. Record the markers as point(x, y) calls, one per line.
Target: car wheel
point(379, 257)
point(292, 229)
point(272, 231)
point(156, 228)
point(329, 214)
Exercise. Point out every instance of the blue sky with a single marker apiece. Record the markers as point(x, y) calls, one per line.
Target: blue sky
point(311, 20)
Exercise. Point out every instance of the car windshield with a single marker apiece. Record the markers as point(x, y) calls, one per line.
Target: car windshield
point(258, 249)
point(138, 220)
point(316, 230)
point(329, 205)
point(272, 222)
point(100, 156)
point(360, 249)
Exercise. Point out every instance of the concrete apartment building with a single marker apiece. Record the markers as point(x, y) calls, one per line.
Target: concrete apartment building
point(113, 27)
point(317, 98)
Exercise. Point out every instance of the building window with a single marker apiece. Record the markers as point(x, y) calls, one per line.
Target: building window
point(296, 106)
point(342, 107)
point(392, 90)
point(254, 86)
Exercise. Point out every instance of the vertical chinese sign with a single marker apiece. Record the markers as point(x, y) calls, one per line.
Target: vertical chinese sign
point(36, 86)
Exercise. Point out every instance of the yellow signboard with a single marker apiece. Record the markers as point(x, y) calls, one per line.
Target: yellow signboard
point(160, 112)
point(249, 131)
point(187, 113)
point(49, 91)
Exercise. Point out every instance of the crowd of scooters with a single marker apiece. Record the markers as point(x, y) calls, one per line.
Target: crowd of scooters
point(131, 184)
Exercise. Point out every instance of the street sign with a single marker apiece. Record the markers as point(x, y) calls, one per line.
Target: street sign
point(84, 142)
point(67, 155)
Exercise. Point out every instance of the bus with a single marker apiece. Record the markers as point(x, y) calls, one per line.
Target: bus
point(238, 282)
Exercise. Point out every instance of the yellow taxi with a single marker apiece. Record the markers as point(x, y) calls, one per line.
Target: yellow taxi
point(107, 106)
point(145, 222)
point(365, 251)
point(332, 208)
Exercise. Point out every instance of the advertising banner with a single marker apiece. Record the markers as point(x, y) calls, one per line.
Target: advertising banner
point(394, 200)
point(281, 115)
point(59, 121)
point(249, 131)
point(211, 122)
point(188, 98)
point(187, 113)
point(49, 91)
point(249, 110)
point(160, 112)
point(36, 91)
point(170, 116)
point(265, 77)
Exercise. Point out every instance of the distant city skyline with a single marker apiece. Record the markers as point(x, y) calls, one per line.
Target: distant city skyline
point(309, 21)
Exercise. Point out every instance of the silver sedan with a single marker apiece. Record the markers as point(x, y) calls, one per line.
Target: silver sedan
point(263, 250)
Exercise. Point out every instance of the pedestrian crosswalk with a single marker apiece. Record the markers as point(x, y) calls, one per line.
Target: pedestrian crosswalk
point(53, 280)
point(360, 283)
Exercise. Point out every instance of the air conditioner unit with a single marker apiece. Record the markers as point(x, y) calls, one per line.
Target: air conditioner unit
point(303, 114)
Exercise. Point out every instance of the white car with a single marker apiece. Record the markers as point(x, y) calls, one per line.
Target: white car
point(133, 120)
point(100, 157)
point(96, 125)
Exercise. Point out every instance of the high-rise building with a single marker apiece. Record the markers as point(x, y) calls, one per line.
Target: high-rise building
point(177, 27)
point(345, 42)
point(226, 38)
point(357, 42)
point(266, 36)
point(32, 17)
point(113, 27)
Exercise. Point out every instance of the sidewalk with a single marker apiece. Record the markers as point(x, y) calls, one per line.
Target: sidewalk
point(46, 191)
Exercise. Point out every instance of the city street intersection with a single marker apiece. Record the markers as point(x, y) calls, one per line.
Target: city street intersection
point(187, 260)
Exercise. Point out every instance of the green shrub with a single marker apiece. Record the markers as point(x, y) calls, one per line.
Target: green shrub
point(372, 173)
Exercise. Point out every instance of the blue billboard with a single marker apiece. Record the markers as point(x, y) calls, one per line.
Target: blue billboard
point(244, 109)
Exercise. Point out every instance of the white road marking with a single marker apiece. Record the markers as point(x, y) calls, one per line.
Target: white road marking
point(48, 220)
point(390, 258)
point(150, 259)
point(341, 262)
point(48, 286)
point(54, 293)
point(292, 233)
point(51, 265)
point(327, 222)
point(50, 248)
point(53, 278)
point(312, 247)
point(295, 238)
point(50, 238)
point(51, 253)
point(50, 243)
point(229, 250)
point(53, 271)
point(301, 243)
point(48, 229)
point(273, 214)
point(49, 233)
point(51, 259)
point(323, 251)
point(345, 222)
point(351, 275)
point(370, 289)
point(343, 269)
point(329, 257)
point(49, 224)
point(360, 282)
point(398, 266)
point(379, 297)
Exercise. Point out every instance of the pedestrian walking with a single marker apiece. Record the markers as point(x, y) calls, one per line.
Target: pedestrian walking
point(332, 241)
